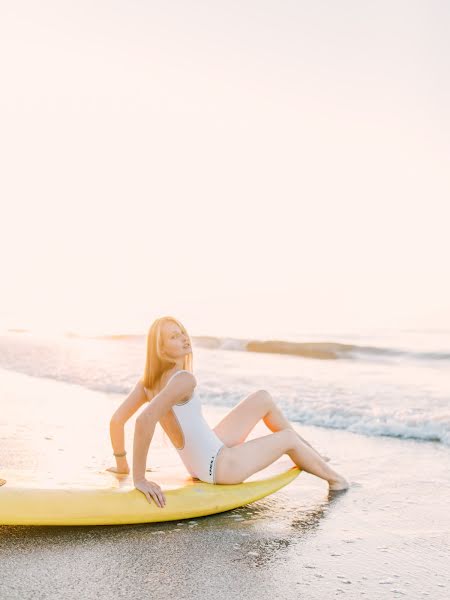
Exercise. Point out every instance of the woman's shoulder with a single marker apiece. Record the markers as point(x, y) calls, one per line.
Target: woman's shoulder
point(167, 377)
point(181, 372)
point(163, 381)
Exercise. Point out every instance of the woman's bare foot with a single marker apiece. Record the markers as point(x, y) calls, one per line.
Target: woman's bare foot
point(338, 484)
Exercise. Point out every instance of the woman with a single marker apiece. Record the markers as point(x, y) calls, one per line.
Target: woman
point(220, 455)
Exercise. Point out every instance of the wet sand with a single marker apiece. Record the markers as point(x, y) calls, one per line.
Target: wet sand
point(387, 536)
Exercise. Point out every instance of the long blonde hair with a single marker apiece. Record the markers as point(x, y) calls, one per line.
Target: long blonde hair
point(156, 362)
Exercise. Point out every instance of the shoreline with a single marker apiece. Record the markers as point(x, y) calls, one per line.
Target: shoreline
point(388, 534)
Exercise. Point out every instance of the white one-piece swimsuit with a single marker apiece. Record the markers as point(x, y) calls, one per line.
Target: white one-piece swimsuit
point(201, 444)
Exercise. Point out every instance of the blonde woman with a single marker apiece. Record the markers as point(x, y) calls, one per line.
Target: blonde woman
point(220, 455)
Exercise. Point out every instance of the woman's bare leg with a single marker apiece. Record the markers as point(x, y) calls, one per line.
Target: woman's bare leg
point(276, 421)
point(234, 428)
point(240, 462)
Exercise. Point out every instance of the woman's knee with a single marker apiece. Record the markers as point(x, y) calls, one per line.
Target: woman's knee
point(266, 398)
point(290, 438)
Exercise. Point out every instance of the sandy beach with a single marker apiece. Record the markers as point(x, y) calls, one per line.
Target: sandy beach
point(387, 536)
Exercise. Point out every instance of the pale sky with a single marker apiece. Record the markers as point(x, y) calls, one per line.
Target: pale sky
point(244, 166)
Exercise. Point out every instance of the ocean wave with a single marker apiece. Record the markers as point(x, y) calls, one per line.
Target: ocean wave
point(323, 350)
point(404, 423)
point(406, 426)
point(317, 350)
point(380, 400)
point(407, 423)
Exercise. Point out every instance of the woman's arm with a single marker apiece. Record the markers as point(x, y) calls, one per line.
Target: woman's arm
point(178, 388)
point(117, 425)
point(143, 434)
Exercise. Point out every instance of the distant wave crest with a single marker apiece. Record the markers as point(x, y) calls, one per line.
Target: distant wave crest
point(318, 350)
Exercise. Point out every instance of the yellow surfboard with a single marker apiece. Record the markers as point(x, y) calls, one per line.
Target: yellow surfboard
point(106, 499)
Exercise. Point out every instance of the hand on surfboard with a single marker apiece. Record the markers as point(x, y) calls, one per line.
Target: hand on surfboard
point(150, 488)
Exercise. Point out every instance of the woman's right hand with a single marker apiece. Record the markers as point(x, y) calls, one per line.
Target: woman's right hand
point(150, 488)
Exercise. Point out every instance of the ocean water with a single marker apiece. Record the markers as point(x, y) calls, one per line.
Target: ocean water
point(386, 536)
point(376, 383)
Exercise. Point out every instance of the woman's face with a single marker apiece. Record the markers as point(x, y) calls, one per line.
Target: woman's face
point(175, 342)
